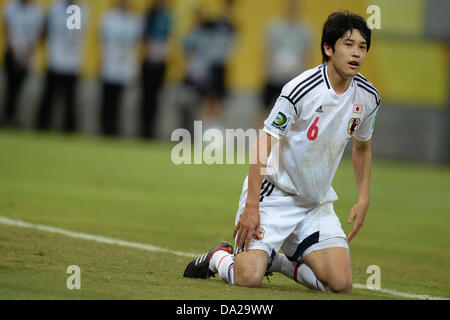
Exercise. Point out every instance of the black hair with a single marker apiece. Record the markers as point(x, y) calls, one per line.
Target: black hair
point(337, 24)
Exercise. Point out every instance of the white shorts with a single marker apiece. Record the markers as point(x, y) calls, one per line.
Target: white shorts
point(293, 224)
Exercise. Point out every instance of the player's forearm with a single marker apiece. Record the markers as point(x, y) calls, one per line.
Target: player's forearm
point(258, 164)
point(254, 186)
point(362, 166)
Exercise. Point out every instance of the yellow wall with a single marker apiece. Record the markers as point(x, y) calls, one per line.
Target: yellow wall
point(394, 64)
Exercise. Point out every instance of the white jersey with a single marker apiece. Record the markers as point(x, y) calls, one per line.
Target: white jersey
point(24, 25)
point(313, 125)
point(64, 51)
point(121, 33)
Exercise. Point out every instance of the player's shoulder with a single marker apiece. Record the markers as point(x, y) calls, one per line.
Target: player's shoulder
point(300, 86)
point(367, 89)
point(310, 74)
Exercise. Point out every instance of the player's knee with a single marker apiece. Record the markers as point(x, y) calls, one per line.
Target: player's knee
point(249, 268)
point(336, 282)
point(248, 278)
point(340, 284)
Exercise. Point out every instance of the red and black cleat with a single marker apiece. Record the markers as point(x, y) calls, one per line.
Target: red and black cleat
point(199, 267)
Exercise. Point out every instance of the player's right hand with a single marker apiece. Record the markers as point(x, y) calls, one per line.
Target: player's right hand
point(357, 215)
point(248, 226)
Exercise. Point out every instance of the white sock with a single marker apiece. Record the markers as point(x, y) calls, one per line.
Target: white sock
point(298, 271)
point(304, 275)
point(223, 263)
point(277, 262)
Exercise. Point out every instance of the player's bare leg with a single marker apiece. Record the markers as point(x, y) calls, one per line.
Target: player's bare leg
point(332, 267)
point(249, 268)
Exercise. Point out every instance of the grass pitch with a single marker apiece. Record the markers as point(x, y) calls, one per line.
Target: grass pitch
point(130, 190)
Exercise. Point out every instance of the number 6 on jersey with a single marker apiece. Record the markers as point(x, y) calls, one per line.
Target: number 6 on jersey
point(313, 131)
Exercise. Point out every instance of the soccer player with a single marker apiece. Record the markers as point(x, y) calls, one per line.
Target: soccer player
point(317, 113)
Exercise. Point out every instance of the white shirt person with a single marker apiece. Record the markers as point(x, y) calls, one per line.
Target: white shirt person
point(121, 31)
point(23, 22)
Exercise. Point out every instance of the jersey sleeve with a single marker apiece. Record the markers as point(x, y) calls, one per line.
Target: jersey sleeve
point(282, 116)
point(365, 130)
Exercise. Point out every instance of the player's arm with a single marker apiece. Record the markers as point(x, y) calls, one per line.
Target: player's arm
point(362, 165)
point(249, 221)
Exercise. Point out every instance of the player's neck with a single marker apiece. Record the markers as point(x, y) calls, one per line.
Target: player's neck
point(338, 81)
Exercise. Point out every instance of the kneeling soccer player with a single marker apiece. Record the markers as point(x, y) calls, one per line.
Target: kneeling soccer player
point(291, 209)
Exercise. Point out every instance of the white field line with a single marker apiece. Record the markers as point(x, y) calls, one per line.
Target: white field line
point(148, 247)
point(85, 236)
point(400, 294)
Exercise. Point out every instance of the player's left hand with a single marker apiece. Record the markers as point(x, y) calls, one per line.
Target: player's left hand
point(357, 215)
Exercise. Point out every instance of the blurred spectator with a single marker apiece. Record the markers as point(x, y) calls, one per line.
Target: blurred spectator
point(64, 56)
point(221, 42)
point(158, 24)
point(23, 22)
point(287, 46)
point(195, 81)
point(121, 32)
point(207, 48)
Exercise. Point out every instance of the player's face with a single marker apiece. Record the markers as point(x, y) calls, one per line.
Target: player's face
point(349, 53)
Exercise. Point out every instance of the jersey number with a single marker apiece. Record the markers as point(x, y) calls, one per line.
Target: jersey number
point(313, 131)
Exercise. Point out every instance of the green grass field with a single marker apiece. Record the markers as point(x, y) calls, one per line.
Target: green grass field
point(130, 190)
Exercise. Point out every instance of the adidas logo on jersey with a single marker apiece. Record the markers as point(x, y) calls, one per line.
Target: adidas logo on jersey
point(319, 109)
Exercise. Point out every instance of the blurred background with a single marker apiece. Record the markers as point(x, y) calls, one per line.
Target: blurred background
point(142, 68)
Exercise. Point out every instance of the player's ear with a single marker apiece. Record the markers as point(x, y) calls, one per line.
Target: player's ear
point(328, 50)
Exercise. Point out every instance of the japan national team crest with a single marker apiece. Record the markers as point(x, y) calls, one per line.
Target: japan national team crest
point(357, 108)
point(353, 124)
point(262, 232)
